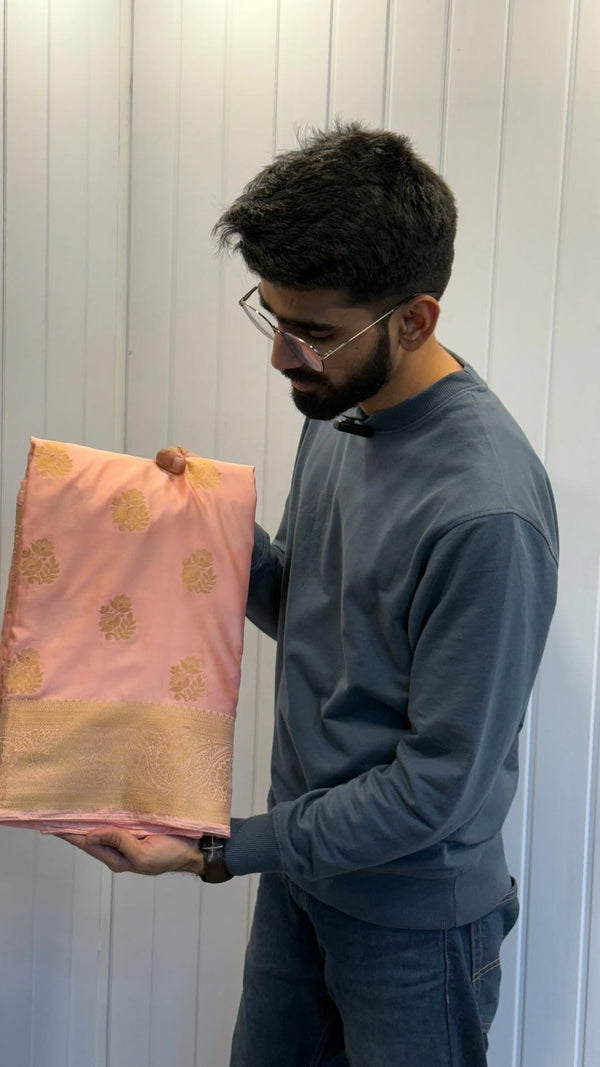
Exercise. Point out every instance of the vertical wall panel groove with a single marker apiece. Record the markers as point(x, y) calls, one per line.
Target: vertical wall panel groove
point(44, 430)
point(224, 184)
point(529, 792)
point(389, 62)
point(583, 977)
point(86, 293)
point(70, 1020)
point(589, 1035)
point(175, 223)
point(498, 187)
point(121, 262)
point(441, 161)
point(332, 25)
point(126, 129)
point(565, 153)
point(32, 974)
point(385, 96)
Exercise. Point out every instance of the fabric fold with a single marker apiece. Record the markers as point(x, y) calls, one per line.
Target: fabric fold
point(122, 642)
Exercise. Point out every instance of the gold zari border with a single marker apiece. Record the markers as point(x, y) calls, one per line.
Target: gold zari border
point(87, 756)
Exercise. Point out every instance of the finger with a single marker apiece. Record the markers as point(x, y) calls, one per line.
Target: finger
point(74, 839)
point(130, 853)
point(115, 838)
point(109, 856)
point(118, 849)
point(173, 459)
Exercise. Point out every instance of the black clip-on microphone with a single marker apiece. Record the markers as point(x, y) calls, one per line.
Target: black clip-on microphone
point(350, 424)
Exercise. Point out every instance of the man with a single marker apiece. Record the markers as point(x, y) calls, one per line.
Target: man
point(410, 589)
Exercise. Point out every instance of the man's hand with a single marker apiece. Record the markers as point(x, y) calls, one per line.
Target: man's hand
point(154, 854)
point(172, 460)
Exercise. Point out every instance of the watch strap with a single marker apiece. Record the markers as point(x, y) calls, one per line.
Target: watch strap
point(213, 851)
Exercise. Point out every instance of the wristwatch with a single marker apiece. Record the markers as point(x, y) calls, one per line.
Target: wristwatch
point(213, 851)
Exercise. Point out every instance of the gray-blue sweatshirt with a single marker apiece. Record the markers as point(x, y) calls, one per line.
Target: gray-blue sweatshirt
point(410, 588)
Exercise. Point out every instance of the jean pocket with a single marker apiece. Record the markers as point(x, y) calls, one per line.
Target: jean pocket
point(487, 935)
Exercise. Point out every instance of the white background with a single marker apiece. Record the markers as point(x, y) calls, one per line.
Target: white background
point(127, 128)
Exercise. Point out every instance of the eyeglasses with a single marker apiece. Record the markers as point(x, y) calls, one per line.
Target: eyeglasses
point(305, 352)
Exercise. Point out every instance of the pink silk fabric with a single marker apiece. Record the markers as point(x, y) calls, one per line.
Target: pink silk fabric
point(122, 642)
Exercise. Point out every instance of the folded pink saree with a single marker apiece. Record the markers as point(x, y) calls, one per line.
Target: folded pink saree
point(122, 642)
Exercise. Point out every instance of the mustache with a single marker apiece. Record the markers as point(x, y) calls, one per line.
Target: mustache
point(301, 375)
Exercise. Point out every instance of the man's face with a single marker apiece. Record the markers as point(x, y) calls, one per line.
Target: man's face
point(355, 374)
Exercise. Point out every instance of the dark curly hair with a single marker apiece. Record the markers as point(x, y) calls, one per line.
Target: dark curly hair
point(351, 209)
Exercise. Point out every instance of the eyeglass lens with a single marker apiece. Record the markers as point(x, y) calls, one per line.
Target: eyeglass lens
point(301, 351)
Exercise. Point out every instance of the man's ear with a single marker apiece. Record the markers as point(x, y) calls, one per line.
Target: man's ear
point(417, 321)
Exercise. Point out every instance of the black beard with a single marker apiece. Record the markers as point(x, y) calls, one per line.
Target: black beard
point(362, 386)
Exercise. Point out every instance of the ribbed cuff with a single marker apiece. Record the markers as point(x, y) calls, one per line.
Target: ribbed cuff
point(252, 847)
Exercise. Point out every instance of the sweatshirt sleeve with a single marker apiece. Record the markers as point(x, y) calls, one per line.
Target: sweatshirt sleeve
point(477, 628)
point(266, 571)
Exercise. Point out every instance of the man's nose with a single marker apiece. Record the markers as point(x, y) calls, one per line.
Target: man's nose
point(282, 357)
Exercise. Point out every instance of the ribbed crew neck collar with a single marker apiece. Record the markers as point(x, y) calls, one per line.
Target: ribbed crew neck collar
point(419, 406)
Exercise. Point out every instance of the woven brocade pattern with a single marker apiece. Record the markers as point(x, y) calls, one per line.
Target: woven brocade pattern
point(122, 642)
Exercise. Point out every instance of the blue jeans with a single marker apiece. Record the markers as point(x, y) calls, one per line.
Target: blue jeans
point(322, 989)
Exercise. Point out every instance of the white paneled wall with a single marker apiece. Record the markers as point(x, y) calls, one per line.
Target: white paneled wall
point(126, 128)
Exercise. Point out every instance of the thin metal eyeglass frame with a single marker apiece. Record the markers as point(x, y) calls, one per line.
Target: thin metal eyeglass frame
point(243, 302)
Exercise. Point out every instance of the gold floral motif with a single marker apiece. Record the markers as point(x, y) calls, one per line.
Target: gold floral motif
point(39, 564)
point(52, 460)
point(203, 474)
point(129, 511)
point(187, 681)
point(117, 619)
point(198, 573)
point(22, 673)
